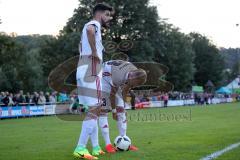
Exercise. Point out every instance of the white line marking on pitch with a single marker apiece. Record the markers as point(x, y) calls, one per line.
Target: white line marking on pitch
point(219, 153)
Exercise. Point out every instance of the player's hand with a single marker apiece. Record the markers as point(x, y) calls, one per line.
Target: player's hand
point(114, 115)
point(95, 57)
point(95, 110)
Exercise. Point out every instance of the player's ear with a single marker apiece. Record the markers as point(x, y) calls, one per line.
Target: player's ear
point(139, 73)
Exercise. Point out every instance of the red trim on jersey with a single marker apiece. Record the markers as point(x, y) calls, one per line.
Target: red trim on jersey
point(94, 65)
point(120, 110)
point(98, 89)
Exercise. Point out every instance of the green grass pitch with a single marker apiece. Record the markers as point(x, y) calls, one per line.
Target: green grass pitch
point(173, 133)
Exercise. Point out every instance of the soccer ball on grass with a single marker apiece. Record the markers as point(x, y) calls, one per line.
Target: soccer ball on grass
point(122, 143)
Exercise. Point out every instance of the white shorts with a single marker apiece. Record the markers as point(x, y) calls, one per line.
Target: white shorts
point(89, 79)
point(106, 94)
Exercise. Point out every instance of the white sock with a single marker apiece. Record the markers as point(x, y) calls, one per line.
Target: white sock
point(103, 123)
point(87, 129)
point(94, 135)
point(122, 124)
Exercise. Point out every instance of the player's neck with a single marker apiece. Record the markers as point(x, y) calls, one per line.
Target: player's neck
point(96, 18)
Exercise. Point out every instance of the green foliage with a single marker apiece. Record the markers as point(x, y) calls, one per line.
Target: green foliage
point(235, 70)
point(58, 50)
point(208, 62)
point(133, 20)
point(27, 60)
point(33, 68)
point(21, 66)
point(231, 56)
point(152, 38)
point(32, 72)
point(178, 55)
point(10, 53)
point(232, 64)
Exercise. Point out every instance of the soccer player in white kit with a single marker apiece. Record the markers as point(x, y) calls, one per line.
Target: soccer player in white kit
point(118, 78)
point(89, 77)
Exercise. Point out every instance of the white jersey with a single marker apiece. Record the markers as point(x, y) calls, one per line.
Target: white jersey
point(89, 71)
point(84, 46)
point(115, 72)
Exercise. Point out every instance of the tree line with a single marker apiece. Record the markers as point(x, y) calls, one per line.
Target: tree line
point(26, 61)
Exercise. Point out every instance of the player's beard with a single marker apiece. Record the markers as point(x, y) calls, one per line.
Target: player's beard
point(106, 24)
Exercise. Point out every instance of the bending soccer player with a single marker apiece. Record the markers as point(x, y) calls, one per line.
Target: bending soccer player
point(118, 78)
point(89, 77)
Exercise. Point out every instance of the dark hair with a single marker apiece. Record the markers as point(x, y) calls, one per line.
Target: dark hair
point(101, 7)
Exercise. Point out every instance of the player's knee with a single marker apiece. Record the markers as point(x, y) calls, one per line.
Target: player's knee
point(89, 130)
point(121, 116)
point(105, 130)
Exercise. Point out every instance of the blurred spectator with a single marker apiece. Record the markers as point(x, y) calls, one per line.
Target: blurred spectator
point(47, 97)
point(11, 103)
point(35, 98)
point(17, 99)
point(144, 98)
point(21, 98)
point(1, 96)
point(5, 98)
point(165, 99)
point(28, 98)
point(206, 98)
point(53, 97)
point(201, 99)
point(41, 99)
point(63, 97)
point(238, 97)
point(159, 97)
